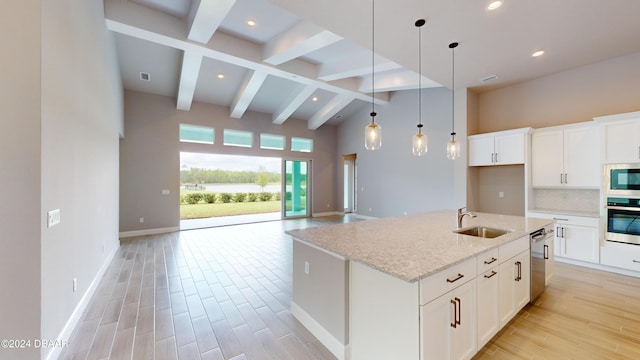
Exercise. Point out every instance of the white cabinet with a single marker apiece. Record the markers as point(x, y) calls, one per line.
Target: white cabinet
point(549, 257)
point(498, 148)
point(488, 297)
point(514, 273)
point(565, 156)
point(620, 139)
point(449, 325)
point(577, 242)
point(623, 256)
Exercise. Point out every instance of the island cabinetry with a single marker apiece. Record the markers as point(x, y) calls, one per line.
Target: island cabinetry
point(488, 296)
point(514, 275)
point(448, 321)
point(564, 157)
point(498, 148)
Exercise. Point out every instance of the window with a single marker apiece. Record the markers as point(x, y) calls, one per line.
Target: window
point(238, 138)
point(270, 141)
point(196, 134)
point(301, 144)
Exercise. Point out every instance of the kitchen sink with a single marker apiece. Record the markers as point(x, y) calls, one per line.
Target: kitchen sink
point(481, 231)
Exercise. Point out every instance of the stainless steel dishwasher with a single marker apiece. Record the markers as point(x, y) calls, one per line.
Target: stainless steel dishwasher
point(539, 255)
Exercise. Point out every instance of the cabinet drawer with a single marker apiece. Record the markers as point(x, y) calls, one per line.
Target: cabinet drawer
point(621, 256)
point(511, 249)
point(567, 219)
point(488, 260)
point(447, 280)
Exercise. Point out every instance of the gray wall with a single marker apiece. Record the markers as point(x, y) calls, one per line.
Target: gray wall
point(149, 155)
point(495, 179)
point(392, 181)
point(81, 120)
point(20, 190)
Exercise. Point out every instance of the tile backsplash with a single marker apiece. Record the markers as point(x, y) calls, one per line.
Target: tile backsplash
point(568, 200)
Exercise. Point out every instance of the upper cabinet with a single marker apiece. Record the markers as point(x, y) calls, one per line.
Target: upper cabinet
point(565, 156)
point(498, 148)
point(620, 138)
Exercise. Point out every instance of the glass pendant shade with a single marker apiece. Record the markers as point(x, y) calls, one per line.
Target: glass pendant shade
point(373, 136)
point(453, 149)
point(419, 144)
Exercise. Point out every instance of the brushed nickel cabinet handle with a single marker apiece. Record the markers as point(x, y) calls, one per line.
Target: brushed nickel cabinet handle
point(487, 262)
point(493, 273)
point(565, 178)
point(453, 324)
point(560, 178)
point(460, 276)
point(560, 219)
point(496, 158)
point(519, 266)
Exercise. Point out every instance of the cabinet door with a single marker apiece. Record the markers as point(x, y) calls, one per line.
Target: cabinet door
point(549, 264)
point(507, 274)
point(546, 158)
point(522, 286)
point(488, 298)
point(581, 153)
point(481, 151)
point(621, 141)
point(580, 243)
point(464, 335)
point(509, 149)
point(436, 319)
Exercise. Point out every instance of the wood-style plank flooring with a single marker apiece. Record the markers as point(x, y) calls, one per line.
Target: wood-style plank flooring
point(225, 293)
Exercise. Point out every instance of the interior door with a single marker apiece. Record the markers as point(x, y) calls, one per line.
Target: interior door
point(349, 191)
point(296, 188)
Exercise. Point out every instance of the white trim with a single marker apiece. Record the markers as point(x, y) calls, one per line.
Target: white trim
point(598, 267)
point(71, 324)
point(340, 350)
point(365, 217)
point(616, 117)
point(126, 234)
point(329, 213)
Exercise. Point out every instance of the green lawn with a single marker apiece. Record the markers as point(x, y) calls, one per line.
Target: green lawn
point(198, 211)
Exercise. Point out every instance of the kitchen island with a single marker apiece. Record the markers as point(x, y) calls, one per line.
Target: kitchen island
point(366, 289)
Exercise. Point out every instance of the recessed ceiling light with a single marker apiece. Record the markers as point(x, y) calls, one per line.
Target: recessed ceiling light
point(221, 76)
point(315, 98)
point(538, 53)
point(251, 23)
point(494, 5)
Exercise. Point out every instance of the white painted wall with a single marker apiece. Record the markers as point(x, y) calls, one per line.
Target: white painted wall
point(81, 121)
point(392, 181)
point(20, 181)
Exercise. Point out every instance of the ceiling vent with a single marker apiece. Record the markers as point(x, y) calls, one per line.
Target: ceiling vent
point(489, 78)
point(145, 76)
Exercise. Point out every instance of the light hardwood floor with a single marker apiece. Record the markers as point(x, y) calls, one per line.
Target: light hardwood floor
point(224, 293)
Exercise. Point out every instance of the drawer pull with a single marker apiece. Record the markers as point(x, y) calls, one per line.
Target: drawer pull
point(560, 219)
point(460, 276)
point(519, 266)
point(636, 261)
point(459, 309)
point(487, 262)
point(490, 275)
point(453, 324)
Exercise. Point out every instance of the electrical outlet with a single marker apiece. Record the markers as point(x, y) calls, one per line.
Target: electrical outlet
point(53, 218)
point(306, 267)
point(165, 192)
point(501, 194)
point(141, 220)
point(75, 284)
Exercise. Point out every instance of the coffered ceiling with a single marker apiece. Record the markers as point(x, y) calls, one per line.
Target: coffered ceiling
point(311, 61)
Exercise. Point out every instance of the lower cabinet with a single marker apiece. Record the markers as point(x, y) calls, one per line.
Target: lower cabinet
point(578, 242)
point(449, 325)
point(488, 305)
point(514, 285)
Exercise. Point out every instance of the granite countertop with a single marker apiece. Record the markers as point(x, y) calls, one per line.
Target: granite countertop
point(415, 246)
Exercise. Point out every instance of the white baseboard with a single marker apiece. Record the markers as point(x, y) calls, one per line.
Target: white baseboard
point(328, 213)
point(71, 324)
point(365, 217)
point(340, 350)
point(598, 267)
point(126, 234)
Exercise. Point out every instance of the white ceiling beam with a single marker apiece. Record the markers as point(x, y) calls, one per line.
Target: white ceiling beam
point(336, 104)
point(246, 93)
point(292, 104)
point(131, 19)
point(188, 79)
point(360, 66)
point(395, 81)
point(205, 17)
point(298, 41)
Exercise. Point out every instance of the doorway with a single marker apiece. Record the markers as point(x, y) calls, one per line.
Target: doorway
point(296, 188)
point(350, 180)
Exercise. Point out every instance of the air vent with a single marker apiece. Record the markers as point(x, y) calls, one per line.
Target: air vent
point(489, 78)
point(145, 76)
point(337, 117)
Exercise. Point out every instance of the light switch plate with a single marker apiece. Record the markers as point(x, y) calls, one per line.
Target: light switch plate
point(165, 192)
point(53, 218)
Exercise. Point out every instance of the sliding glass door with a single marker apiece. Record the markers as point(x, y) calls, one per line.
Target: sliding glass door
point(296, 188)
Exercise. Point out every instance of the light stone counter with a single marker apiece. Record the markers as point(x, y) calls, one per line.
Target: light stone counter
point(415, 246)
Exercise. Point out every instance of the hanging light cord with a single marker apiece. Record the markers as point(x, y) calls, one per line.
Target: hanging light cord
point(453, 87)
point(419, 75)
point(373, 53)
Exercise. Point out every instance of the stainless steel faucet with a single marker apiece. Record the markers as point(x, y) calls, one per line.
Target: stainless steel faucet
point(461, 213)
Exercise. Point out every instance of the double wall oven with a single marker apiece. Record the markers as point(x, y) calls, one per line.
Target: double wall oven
point(622, 190)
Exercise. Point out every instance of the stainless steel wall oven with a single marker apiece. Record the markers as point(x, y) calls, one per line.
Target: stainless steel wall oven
point(623, 220)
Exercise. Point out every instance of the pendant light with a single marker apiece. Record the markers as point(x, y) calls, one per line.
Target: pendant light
point(419, 143)
point(453, 147)
point(373, 131)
